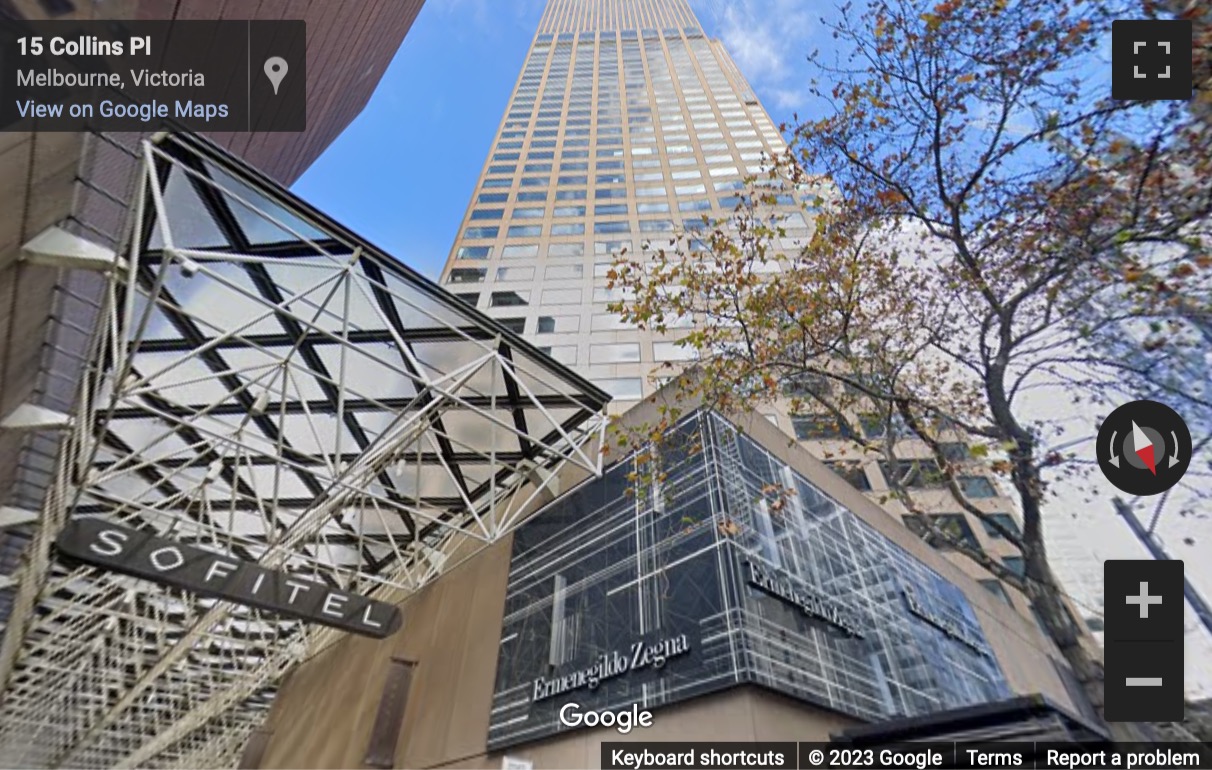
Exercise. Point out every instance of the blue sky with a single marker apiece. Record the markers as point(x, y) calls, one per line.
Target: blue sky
point(401, 175)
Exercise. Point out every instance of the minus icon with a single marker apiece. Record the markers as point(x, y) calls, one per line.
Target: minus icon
point(1144, 681)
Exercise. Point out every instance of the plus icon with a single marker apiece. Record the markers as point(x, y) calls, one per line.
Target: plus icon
point(1151, 59)
point(1143, 600)
point(1143, 640)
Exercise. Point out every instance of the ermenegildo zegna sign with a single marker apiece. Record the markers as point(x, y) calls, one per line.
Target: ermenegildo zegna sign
point(638, 656)
point(146, 556)
point(809, 601)
point(948, 627)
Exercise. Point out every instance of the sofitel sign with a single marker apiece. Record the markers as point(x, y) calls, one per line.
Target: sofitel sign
point(809, 602)
point(144, 555)
point(639, 655)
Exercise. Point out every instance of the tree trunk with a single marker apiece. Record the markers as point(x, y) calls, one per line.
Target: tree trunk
point(1045, 594)
point(1041, 584)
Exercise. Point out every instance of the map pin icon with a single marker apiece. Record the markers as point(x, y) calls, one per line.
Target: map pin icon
point(275, 70)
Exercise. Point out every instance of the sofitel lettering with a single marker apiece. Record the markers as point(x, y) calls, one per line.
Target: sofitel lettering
point(176, 564)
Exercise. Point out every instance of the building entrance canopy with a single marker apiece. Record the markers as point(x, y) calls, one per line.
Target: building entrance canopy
point(265, 384)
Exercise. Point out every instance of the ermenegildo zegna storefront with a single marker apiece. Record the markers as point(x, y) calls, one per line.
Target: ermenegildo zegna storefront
point(750, 596)
point(736, 569)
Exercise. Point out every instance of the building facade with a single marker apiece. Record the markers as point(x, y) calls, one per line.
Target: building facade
point(627, 127)
point(700, 600)
point(274, 389)
point(732, 614)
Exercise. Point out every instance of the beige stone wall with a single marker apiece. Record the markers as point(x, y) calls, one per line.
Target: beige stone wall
point(324, 713)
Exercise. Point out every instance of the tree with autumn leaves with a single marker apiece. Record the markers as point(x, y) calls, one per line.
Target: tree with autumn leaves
point(984, 219)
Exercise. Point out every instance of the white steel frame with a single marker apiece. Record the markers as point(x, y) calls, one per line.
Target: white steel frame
point(174, 436)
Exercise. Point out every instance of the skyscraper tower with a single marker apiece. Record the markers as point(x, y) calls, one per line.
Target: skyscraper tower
point(626, 126)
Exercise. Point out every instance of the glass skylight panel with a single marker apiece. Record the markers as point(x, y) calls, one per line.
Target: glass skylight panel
point(188, 231)
point(262, 220)
point(377, 371)
point(215, 306)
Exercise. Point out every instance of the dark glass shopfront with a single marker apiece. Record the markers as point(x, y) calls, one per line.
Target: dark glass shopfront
point(735, 569)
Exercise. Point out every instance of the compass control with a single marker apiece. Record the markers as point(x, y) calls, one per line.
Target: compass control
point(1144, 448)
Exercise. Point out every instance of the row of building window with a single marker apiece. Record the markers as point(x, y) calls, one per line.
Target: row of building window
point(872, 425)
point(521, 297)
point(583, 38)
point(531, 251)
point(580, 180)
point(643, 142)
point(640, 165)
point(556, 272)
point(610, 121)
point(620, 227)
point(956, 528)
point(915, 474)
point(687, 191)
point(609, 104)
point(789, 219)
point(599, 210)
point(666, 105)
point(609, 111)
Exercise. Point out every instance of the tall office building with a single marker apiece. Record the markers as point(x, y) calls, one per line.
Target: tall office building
point(627, 126)
point(731, 618)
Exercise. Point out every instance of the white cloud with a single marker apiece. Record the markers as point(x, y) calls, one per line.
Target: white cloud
point(769, 40)
point(481, 18)
point(788, 100)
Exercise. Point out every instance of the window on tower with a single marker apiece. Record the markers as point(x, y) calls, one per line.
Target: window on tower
point(509, 299)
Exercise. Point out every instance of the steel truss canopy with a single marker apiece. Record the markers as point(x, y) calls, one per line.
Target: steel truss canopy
point(262, 383)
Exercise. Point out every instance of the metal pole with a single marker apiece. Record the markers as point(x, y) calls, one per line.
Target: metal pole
point(1202, 610)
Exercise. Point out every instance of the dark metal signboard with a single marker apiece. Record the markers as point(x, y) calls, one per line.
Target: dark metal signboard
point(144, 555)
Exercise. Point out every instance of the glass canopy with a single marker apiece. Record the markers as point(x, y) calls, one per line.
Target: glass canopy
point(263, 383)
